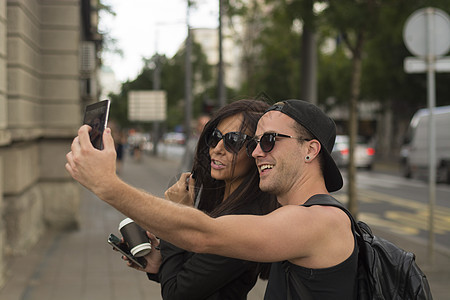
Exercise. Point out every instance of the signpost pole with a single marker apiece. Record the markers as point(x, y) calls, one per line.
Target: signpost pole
point(156, 87)
point(188, 76)
point(427, 35)
point(431, 129)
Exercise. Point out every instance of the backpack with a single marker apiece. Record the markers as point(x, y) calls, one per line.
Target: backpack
point(385, 271)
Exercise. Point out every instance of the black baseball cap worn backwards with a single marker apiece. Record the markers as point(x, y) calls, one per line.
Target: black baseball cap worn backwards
point(322, 128)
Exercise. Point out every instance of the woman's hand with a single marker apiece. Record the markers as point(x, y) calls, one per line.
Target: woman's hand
point(182, 191)
point(153, 259)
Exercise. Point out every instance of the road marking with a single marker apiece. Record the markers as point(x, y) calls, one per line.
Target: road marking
point(367, 179)
point(403, 222)
point(395, 227)
point(419, 220)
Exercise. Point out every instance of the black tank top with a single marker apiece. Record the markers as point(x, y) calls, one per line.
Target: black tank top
point(338, 282)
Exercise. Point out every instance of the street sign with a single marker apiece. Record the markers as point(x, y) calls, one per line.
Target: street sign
point(427, 35)
point(425, 25)
point(147, 106)
point(419, 65)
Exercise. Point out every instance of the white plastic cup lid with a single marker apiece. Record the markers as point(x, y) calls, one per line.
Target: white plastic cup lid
point(141, 249)
point(124, 222)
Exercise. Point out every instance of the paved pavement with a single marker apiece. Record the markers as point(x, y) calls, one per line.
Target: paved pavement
point(81, 265)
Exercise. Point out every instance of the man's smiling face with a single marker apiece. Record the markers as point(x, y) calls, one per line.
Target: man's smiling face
point(280, 168)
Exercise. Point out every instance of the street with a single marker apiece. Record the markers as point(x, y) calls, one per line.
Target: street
point(380, 81)
point(81, 265)
point(388, 201)
point(400, 205)
point(395, 207)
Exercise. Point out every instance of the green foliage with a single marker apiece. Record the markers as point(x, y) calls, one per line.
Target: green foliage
point(109, 43)
point(277, 67)
point(272, 56)
point(384, 77)
point(334, 77)
point(172, 81)
point(382, 22)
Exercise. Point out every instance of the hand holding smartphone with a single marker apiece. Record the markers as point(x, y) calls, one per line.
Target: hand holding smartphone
point(96, 116)
point(122, 248)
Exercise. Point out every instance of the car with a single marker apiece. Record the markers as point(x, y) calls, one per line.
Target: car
point(364, 153)
point(174, 138)
point(415, 149)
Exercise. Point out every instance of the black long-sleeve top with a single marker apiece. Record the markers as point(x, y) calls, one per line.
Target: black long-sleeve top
point(186, 275)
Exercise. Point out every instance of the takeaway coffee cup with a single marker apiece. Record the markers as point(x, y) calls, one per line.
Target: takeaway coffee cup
point(135, 237)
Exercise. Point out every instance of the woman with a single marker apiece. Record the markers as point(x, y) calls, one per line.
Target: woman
point(226, 182)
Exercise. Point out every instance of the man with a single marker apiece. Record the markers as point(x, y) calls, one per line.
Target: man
point(292, 151)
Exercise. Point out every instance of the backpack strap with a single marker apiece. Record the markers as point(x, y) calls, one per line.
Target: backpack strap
point(291, 278)
point(328, 200)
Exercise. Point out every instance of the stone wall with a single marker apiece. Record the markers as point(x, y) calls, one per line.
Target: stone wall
point(40, 111)
point(4, 140)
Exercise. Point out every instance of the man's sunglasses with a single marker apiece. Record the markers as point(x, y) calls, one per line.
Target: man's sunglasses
point(267, 142)
point(233, 141)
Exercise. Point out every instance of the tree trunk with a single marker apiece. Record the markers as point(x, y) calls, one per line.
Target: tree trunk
point(221, 72)
point(384, 134)
point(353, 122)
point(308, 86)
point(308, 80)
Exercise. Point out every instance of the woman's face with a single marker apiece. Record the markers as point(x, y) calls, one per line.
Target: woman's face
point(222, 160)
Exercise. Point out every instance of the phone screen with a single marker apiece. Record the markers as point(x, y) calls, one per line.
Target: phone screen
point(96, 116)
point(122, 248)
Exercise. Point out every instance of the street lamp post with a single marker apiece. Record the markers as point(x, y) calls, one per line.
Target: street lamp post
point(188, 76)
point(221, 79)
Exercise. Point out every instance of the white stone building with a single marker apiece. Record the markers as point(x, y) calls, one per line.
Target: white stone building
point(48, 63)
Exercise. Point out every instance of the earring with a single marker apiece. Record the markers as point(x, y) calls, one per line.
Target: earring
point(307, 158)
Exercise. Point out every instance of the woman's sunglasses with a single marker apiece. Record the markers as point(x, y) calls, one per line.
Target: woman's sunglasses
point(233, 141)
point(267, 142)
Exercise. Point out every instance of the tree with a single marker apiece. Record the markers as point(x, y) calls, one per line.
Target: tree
point(251, 14)
point(385, 80)
point(302, 13)
point(334, 79)
point(355, 21)
point(278, 70)
point(172, 81)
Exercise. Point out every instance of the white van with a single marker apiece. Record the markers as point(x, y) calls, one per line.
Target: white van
point(414, 153)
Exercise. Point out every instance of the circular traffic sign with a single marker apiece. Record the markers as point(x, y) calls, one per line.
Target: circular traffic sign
point(427, 31)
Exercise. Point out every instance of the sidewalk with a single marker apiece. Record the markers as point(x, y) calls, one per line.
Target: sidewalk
point(81, 265)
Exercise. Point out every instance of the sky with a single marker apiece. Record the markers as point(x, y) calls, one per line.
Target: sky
point(142, 27)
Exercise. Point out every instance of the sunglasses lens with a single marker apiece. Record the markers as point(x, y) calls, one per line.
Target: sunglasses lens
point(214, 138)
point(234, 141)
point(267, 142)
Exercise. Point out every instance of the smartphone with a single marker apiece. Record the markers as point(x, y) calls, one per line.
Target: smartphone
point(122, 248)
point(96, 116)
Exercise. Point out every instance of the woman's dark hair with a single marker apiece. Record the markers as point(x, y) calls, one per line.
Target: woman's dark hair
point(247, 194)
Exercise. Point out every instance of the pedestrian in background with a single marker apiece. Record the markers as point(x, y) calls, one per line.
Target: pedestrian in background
point(187, 160)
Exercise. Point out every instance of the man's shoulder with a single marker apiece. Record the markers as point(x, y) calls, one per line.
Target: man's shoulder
point(305, 214)
point(318, 218)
